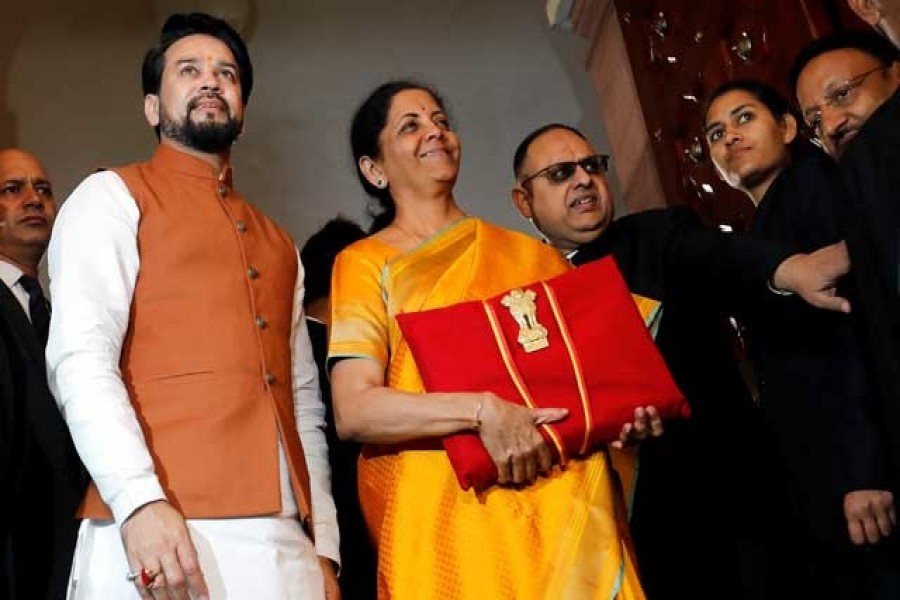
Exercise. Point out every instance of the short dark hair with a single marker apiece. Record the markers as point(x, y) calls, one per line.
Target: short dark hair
point(866, 41)
point(766, 94)
point(522, 149)
point(319, 252)
point(181, 25)
point(368, 122)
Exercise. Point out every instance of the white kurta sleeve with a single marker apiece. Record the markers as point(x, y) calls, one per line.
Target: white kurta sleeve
point(93, 262)
point(309, 411)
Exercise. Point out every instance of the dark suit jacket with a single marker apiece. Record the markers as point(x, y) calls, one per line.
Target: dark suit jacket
point(41, 478)
point(816, 389)
point(870, 171)
point(358, 564)
point(704, 486)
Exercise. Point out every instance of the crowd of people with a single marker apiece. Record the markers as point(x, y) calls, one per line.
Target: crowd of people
point(212, 413)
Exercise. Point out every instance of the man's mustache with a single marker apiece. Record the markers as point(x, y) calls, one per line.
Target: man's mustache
point(195, 102)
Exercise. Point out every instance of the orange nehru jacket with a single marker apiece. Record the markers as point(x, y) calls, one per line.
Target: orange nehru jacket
point(207, 356)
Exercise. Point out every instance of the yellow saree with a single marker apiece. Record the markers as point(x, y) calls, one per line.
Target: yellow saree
point(563, 537)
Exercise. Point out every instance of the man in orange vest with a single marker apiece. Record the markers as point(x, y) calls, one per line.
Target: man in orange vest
point(180, 359)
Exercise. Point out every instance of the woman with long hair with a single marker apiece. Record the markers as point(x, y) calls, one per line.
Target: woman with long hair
point(816, 390)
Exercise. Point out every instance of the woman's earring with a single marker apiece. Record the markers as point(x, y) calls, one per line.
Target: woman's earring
point(380, 184)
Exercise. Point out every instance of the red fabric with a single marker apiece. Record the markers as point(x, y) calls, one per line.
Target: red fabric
point(455, 350)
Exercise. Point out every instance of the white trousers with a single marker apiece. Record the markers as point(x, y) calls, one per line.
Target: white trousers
point(252, 558)
point(268, 558)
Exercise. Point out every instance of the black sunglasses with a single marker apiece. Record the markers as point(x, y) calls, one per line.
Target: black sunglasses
point(563, 171)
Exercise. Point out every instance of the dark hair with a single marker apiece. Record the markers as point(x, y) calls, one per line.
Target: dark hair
point(368, 122)
point(180, 26)
point(769, 96)
point(866, 41)
point(319, 252)
point(522, 149)
point(772, 100)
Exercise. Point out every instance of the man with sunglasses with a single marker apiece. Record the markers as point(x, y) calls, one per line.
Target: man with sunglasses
point(847, 88)
point(703, 519)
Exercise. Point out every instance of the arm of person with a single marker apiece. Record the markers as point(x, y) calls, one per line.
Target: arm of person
point(7, 430)
point(736, 264)
point(93, 261)
point(367, 411)
point(868, 503)
point(706, 256)
point(814, 276)
point(309, 413)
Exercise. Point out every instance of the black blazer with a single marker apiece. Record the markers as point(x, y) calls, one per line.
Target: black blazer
point(706, 484)
point(816, 389)
point(870, 172)
point(358, 561)
point(41, 478)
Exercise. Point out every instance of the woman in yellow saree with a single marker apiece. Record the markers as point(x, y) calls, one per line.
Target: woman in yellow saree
point(543, 532)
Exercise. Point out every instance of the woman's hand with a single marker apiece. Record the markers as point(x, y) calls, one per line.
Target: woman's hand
point(647, 423)
point(510, 435)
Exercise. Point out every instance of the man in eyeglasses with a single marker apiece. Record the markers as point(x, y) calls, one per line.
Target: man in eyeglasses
point(561, 188)
point(840, 81)
point(847, 88)
point(703, 518)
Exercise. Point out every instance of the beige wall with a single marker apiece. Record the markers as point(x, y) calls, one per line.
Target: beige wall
point(70, 90)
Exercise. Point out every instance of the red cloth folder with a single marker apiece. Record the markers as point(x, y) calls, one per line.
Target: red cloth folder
point(600, 362)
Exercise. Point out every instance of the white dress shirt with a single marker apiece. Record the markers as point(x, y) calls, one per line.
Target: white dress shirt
point(10, 275)
point(94, 264)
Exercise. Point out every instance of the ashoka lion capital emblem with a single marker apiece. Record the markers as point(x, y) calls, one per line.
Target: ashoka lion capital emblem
point(532, 335)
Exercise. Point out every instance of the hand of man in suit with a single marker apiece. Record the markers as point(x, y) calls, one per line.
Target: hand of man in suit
point(647, 423)
point(814, 276)
point(870, 515)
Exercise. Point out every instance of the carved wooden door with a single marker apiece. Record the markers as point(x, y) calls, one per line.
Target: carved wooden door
point(681, 50)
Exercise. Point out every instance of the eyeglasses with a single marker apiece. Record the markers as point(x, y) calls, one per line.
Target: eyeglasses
point(561, 172)
point(838, 96)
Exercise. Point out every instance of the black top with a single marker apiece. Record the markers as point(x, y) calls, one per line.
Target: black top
point(871, 177)
point(357, 577)
point(41, 478)
point(705, 486)
point(816, 390)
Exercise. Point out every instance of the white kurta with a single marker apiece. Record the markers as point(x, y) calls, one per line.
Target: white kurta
point(94, 264)
point(261, 558)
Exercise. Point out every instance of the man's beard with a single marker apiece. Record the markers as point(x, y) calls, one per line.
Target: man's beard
point(207, 136)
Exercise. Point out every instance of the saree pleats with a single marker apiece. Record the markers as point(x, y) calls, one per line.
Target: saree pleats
point(563, 537)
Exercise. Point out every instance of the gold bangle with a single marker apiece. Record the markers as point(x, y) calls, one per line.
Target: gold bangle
point(477, 426)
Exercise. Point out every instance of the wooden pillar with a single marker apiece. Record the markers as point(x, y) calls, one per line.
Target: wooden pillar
point(619, 105)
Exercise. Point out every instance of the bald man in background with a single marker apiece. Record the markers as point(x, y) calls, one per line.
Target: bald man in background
point(41, 478)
